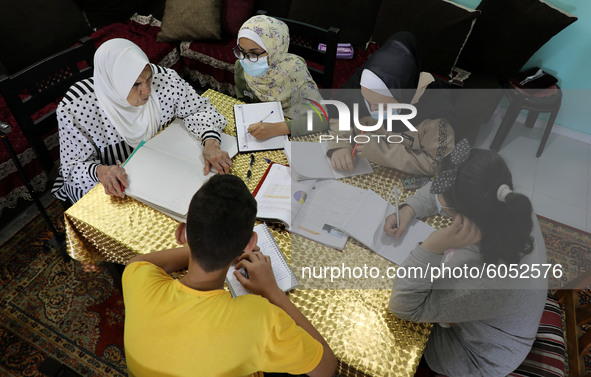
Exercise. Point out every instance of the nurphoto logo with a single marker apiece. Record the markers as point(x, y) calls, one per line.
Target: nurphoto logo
point(392, 114)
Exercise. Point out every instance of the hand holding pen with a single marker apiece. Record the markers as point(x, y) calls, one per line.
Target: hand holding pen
point(397, 223)
point(113, 178)
point(255, 126)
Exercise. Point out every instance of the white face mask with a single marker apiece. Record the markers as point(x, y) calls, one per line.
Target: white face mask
point(440, 207)
point(376, 113)
point(257, 68)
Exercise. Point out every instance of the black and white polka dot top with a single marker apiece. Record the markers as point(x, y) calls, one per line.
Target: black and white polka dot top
point(89, 139)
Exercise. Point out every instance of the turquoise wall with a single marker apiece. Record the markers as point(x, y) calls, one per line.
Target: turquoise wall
point(568, 56)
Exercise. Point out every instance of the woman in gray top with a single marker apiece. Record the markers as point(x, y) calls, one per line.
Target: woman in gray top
point(478, 278)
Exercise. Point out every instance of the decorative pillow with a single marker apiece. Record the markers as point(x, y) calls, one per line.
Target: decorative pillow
point(547, 356)
point(31, 30)
point(509, 32)
point(190, 20)
point(354, 18)
point(234, 13)
point(442, 28)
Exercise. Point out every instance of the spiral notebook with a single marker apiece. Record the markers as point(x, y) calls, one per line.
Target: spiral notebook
point(286, 279)
point(249, 113)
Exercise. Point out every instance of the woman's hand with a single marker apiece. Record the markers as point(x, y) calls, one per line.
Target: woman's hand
point(264, 130)
point(342, 159)
point(213, 156)
point(461, 233)
point(391, 228)
point(113, 178)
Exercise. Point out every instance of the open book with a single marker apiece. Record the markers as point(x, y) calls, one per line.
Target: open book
point(286, 279)
point(247, 114)
point(309, 161)
point(366, 224)
point(327, 203)
point(166, 171)
point(278, 197)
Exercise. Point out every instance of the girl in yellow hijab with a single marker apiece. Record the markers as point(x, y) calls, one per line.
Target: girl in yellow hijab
point(266, 72)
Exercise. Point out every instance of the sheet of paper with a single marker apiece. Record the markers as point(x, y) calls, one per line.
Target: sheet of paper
point(328, 202)
point(309, 161)
point(154, 177)
point(366, 224)
point(247, 114)
point(178, 141)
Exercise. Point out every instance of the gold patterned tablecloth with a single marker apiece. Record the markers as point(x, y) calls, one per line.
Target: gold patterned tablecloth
point(365, 336)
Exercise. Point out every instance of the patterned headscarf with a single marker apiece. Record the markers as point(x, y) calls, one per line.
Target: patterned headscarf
point(446, 179)
point(287, 80)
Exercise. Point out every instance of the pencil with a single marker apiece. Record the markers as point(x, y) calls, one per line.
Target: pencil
point(353, 153)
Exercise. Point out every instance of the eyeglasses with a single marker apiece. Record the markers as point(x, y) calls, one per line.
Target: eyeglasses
point(251, 56)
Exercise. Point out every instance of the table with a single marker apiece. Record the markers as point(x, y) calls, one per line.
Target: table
point(352, 316)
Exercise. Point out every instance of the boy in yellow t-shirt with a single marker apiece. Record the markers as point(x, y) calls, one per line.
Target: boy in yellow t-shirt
point(191, 326)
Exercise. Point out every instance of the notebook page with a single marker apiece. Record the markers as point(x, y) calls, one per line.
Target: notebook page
point(247, 114)
point(283, 274)
point(178, 141)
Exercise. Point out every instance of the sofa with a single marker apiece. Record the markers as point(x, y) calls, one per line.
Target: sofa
point(195, 37)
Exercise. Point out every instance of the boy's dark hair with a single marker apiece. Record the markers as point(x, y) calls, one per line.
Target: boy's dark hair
point(505, 226)
point(220, 221)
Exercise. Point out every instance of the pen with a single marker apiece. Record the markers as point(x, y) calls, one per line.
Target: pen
point(268, 115)
point(353, 153)
point(122, 187)
point(249, 172)
point(395, 192)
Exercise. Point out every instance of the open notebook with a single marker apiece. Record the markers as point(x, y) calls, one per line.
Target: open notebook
point(166, 171)
point(247, 114)
point(286, 279)
point(366, 224)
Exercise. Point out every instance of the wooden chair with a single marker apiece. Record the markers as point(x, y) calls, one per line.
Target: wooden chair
point(304, 41)
point(29, 91)
point(32, 95)
point(574, 317)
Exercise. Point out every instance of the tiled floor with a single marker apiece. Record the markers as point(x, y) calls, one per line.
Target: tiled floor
point(558, 182)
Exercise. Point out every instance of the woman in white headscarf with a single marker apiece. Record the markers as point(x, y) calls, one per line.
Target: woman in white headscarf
point(266, 72)
point(103, 119)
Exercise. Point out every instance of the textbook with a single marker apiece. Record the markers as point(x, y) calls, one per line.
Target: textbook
point(309, 161)
point(366, 224)
point(166, 171)
point(327, 203)
point(279, 199)
point(247, 114)
point(286, 279)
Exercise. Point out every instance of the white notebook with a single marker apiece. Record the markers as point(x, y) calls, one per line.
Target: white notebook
point(366, 224)
point(166, 171)
point(309, 161)
point(286, 279)
point(247, 114)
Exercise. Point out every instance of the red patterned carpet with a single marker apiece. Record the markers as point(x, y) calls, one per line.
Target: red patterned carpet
point(50, 307)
